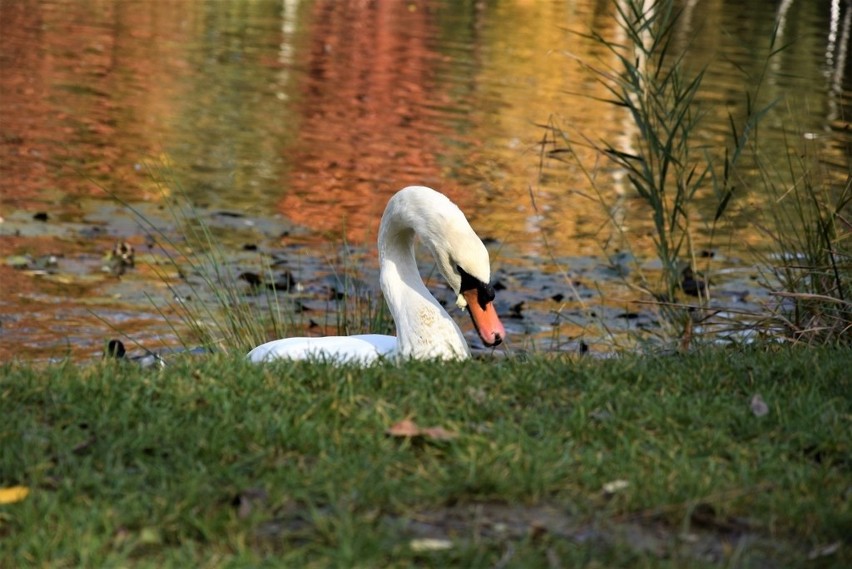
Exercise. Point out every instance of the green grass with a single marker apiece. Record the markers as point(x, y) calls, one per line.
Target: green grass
point(217, 463)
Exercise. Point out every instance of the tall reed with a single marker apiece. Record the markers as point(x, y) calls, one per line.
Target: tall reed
point(215, 308)
point(809, 220)
point(665, 162)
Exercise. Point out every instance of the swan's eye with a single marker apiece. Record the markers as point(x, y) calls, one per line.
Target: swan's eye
point(484, 292)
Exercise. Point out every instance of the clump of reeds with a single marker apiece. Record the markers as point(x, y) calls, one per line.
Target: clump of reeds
point(215, 308)
point(665, 162)
point(810, 270)
point(357, 307)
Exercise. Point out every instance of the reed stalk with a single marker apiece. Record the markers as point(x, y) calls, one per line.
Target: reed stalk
point(809, 270)
point(665, 161)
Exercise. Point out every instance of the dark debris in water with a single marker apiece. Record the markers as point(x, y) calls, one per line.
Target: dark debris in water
point(253, 279)
point(121, 258)
point(156, 359)
point(553, 304)
point(283, 282)
point(693, 283)
point(516, 310)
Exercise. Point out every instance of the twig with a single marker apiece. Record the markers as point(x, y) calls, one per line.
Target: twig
point(811, 296)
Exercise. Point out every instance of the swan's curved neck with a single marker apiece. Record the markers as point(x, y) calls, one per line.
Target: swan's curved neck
point(423, 327)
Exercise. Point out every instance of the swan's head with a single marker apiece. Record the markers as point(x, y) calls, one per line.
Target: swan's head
point(460, 254)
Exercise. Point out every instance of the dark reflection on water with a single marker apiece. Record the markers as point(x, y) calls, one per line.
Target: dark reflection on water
point(311, 114)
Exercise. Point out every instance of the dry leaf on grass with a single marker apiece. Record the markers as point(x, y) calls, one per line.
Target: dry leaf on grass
point(405, 428)
point(246, 501)
point(438, 434)
point(824, 550)
point(615, 486)
point(430, 544)
point(409, 429)
point(759, 406)
point(13, 494)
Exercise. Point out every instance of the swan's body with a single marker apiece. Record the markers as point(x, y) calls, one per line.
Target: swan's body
point(356, 349)
point(424, 329)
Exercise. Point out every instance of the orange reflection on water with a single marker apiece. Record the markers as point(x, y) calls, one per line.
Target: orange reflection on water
point(366, 130)
point(380, 109)
point(69, 72)
point(320, 110)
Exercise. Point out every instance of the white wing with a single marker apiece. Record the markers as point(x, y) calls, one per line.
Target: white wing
point(363, 349)
point(424, 328)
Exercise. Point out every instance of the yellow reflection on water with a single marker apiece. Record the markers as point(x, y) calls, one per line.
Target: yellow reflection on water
point(318, 110)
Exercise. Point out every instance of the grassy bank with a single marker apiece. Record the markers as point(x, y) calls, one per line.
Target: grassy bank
point(634, 462)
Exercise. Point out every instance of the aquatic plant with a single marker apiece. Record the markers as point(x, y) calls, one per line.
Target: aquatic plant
point(223, 307)
point(209, 305)
point(665, 161)
point(809, 220)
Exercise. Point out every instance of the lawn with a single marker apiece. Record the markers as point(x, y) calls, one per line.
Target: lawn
point(723, 458)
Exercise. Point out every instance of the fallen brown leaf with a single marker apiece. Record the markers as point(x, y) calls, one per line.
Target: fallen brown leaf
point(247, 500)
point(409, 429)
point(430, 544)
point(615, 486)
point(438, 434)
point(405, 428)
point(824, 550)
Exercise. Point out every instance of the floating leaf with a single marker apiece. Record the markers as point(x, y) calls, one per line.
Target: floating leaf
point(13, 494)
point(19, 261)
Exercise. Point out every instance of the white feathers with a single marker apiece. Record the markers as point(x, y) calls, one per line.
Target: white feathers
point(424, 329)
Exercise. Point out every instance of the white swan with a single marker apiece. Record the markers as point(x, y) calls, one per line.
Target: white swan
point(424, 329)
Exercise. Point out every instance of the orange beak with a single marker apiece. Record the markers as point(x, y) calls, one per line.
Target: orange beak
point(485, 318)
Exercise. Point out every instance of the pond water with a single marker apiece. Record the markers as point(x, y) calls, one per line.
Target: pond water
point(288, 124)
